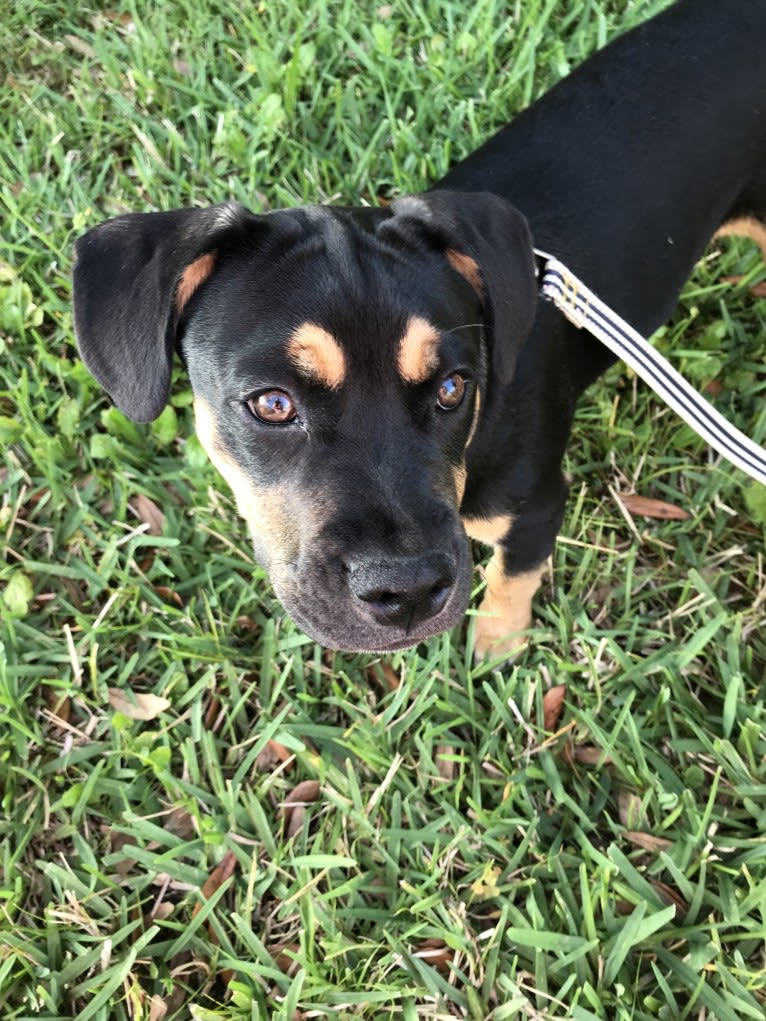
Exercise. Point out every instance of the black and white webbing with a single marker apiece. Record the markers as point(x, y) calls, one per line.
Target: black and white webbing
point(586, 311)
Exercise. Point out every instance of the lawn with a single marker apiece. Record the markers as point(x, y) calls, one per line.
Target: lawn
point(205, 815)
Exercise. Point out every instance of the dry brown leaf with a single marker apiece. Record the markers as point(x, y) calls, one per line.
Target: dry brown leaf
point(445, 764)
point(137, 705)
point(248, 624)
point(212, 710)
point(714, 388)
point(168, 594)
point(589, 755)
point(74, 42)
point(214, 882)
point(436, 953)
point(147, 511)
point(646, 507)
point(391, 676)
point(180, 822)
point(293, 808)
point(670, 895)
point(757, 290)
point(162, 911)
point(282, 754)
point(59, 704)
point(630, 810)
point(286, 956)
point(553, 704)
point(157, 1009)
point(647, 841)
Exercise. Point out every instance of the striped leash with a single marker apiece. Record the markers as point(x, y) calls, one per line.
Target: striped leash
point(586, 311)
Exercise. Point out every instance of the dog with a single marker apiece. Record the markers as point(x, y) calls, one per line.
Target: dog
point(378, 384)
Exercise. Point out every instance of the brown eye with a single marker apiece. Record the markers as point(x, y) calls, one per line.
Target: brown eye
point(273, 406)
point(451, 392)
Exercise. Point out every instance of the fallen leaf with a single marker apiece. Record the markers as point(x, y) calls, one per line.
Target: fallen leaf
point(293, 808)
point(589, 755)
point(168, 594)
point(80, 46)
point(630, 809)
point(648, 508)
point(553, 704)
point(286, 957)
point(283, 754)
point(157, 1009)
point(670, 895)
point(149, 513)
point(757, 290)
point(436, 953)
point(647, 841)
point(391, 676)
point(214, 882)
point(248, 624)
point(714, 388)
point(272, 753)
point(137, 705)
point(162, 911)
point(180, 822)
point(59, 704)
point(445, 764)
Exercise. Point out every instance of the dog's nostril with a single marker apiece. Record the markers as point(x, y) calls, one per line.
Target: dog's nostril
point(403, 592)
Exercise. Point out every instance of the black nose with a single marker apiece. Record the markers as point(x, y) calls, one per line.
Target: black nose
point(403, 591)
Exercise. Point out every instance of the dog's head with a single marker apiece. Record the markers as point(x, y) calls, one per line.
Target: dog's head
point(337, 359)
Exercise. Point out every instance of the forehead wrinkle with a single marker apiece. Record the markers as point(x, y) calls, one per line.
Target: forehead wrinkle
point(316, 353)
point(418, 354)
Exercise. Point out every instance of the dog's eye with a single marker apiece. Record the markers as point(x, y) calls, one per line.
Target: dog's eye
point(451, 392)
point(273, 406)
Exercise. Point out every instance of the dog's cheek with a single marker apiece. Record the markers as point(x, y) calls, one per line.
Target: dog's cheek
point(263, 507)
point(459, 479)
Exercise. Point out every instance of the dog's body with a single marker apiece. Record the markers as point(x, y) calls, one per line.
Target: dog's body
point(366, 379)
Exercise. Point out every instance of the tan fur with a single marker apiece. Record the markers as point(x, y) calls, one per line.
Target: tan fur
point(468, 268)
point(418, 351)
point(475, 422)
point(195, 274)
point(460, 477)
point(746, 227)
point(262, 507)
point(316, 353)
point(505, 611)
point(489, 530)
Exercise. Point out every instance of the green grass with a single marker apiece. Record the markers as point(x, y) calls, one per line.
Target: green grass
point(454, 859)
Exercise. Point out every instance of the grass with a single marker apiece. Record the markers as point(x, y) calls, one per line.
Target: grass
point(206, 816)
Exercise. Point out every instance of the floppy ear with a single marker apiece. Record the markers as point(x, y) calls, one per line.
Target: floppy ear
point(488, 242)
point(132, 278)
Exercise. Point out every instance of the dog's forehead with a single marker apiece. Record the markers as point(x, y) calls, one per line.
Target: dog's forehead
point(333, 295)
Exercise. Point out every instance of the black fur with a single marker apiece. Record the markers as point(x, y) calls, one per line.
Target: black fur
point(623, 171)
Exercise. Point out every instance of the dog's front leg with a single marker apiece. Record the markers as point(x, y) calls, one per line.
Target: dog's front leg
point(522, 543)
point(505, 613)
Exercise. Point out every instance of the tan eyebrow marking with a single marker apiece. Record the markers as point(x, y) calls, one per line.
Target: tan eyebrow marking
point(468, 268)
point(315, 352)
point(195, 274)
point(418, 351)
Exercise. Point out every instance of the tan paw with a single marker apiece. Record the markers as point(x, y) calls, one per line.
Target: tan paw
point(505, 612)
point(497, 637)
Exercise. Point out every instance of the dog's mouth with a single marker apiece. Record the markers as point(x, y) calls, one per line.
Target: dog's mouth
point(378, 604)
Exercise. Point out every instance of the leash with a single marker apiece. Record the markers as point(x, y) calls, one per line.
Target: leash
point(586, 311)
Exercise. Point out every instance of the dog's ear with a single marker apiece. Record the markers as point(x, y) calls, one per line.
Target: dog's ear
point(133, 277)
point(488, 242)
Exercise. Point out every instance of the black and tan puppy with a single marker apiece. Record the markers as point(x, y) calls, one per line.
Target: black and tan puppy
point(375, 383)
